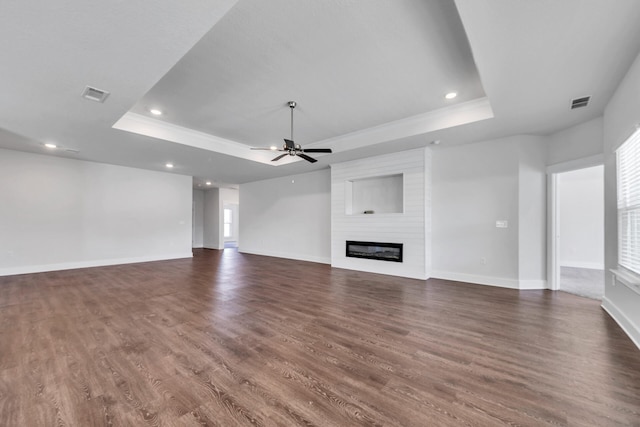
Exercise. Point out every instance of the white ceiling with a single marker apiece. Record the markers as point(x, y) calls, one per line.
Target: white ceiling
point(369, 76)
point(350, 65)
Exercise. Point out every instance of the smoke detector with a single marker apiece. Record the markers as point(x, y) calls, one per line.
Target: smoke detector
point(94, 94)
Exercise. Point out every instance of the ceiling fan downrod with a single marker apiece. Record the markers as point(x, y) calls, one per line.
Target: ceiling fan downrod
point(292, 105)
point(291, 148)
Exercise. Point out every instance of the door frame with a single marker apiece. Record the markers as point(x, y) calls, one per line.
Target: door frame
point(553, 212)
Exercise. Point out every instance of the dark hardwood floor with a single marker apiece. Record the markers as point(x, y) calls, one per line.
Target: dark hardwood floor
point(229, 339)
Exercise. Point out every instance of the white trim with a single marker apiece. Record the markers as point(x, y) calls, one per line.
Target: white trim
point(533, 284)
point(553, 232)
point(379, 267)
point(478, 280)
point(443, 118)
point(148, 126)
point(310, 258)
point(582, 264)
point(553, 220)
point(500, 282)
point(454, 115)
point(217, 248)
point(582, 163)
point(28, 269)
point(627, 278)
point(628, 204)
point(632, 331)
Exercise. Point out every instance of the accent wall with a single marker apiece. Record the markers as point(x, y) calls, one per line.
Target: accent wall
point(396, 188)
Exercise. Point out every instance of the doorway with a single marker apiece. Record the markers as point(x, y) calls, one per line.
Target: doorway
point(230, 227)
point(579, 231)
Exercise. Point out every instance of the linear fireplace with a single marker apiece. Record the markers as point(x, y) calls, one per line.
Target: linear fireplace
point(375, 250)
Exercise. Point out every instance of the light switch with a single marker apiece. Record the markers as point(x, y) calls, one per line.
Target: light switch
point(502, 223)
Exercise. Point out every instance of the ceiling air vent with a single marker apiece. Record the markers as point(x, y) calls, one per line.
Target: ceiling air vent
point(94, 94)
point(580, 102)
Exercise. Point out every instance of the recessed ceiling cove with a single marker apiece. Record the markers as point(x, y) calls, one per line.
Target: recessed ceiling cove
point(362, 72)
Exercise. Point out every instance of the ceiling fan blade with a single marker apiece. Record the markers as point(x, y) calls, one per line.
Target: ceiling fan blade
point(318, 150)
point(279, 157)
point(307, 158)
point(289, 144)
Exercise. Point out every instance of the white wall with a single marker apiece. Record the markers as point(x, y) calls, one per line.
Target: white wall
point(380, 195)
point(532, 212)
point(198, 219)
point(212, 236)
point(229, 195)
point(59, 213)
point(473, 186)
point(287, 217)
point(576, 142)
point(410, 227)
point(476, 185)
point(621, 116)
point(581, 218)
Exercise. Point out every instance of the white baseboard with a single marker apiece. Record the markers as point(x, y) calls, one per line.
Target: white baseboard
point(632, 330)
point(580, 264)
point(214, 248)
point(379, 268)
point(533, 284)
point(299, 257)
point(500, 282)
point(479, 280)
point(28, 269)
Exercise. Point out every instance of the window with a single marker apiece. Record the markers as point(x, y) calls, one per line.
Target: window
point(628, 157)
point(228, 221)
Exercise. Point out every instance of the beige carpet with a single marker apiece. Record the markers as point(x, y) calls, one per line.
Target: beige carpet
point(585, 282)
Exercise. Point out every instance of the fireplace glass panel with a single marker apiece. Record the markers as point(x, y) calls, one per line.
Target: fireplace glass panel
point(374, 250)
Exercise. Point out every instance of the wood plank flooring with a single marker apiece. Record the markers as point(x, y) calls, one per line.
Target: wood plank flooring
point(227, 339)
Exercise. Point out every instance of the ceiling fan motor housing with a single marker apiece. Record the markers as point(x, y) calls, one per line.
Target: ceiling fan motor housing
point(293, 149)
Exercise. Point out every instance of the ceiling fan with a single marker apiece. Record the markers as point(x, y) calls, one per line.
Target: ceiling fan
point(291, 148)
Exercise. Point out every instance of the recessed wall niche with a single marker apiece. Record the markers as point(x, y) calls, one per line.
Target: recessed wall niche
point(375, 195)
point(405, 219)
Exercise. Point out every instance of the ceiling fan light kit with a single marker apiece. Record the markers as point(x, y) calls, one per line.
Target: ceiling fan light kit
point(290, 148)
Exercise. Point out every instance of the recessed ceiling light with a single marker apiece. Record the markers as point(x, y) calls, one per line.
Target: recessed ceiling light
point(208, 182)
point(155, 112)
point(169, 165)
point(50, 145)
point(451, 95)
